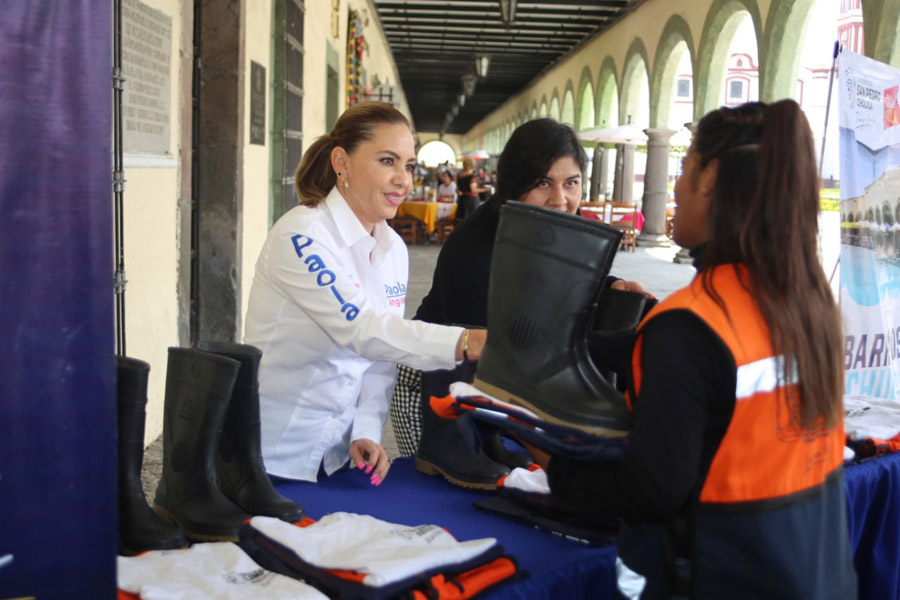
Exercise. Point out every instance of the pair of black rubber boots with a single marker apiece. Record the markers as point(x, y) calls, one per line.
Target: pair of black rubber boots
point(547, 292)
point(213, 476)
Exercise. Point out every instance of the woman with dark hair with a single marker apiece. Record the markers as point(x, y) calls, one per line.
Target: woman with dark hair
point(327, 299)
point(543, 164)
point(732, 483)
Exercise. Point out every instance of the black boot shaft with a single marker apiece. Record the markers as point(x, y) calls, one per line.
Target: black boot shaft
point(198, 391)
point(140, 528)
point(240, 466)
point(547, 272)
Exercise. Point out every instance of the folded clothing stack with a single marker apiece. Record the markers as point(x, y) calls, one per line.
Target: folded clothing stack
point(351, 556)
point(218, 570)
point(467, 401)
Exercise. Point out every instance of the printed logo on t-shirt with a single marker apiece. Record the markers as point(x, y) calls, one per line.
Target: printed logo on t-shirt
point(395, 294)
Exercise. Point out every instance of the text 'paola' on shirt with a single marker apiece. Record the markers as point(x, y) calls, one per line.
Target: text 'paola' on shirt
point(325, 277)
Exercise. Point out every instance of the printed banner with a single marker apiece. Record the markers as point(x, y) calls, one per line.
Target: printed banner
point(870, 226)
point(58, 502)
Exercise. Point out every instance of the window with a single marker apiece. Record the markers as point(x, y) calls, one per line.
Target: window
point(736, 90)
point(684, 88)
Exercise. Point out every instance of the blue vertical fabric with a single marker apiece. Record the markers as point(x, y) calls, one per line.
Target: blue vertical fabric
point(873, 508)
point(57, 396)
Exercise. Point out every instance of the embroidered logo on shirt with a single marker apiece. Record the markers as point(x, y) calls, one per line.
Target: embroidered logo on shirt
point(396, 294)
point(325, 277)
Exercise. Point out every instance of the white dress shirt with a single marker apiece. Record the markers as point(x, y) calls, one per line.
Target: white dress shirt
point(326, 309)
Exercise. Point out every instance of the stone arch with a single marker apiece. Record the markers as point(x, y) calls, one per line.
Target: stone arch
point(665, 64)
point(554, 106)
point(584, 101)
point(636, 66)
point(534, 111)
point(722, 21)
point(567, 110)
point(785, 29)
point(606, 98)
point(542, 111)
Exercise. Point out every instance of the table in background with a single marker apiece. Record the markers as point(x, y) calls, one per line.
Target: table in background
point(561, 568)
point(427, 212)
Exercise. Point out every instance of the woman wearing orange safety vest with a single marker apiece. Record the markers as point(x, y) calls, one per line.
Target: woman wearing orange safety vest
point(732, 486)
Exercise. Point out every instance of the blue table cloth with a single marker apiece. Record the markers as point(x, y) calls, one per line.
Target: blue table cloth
point(560, 568)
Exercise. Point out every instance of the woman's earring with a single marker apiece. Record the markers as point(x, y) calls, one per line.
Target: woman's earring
point(339, 174)
point(346, 185)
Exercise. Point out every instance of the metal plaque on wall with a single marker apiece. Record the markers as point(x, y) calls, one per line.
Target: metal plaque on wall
point(146, 66)
point(257, 104)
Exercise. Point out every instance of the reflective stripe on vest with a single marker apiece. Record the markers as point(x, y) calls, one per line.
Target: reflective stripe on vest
point(764, 454)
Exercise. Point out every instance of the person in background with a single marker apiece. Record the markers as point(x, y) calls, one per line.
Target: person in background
point(447, 188)
point(734, 467)
point(469, 188)
point(327, 299)
point(543, 164)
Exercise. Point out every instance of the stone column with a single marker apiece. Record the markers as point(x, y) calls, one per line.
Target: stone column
point(656, 194)
point(603, 173)
point(627, 173)
point(617, 176)
point(595, 175)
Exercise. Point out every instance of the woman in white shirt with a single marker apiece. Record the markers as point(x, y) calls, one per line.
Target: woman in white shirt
point(447, 188)
point(327, 299)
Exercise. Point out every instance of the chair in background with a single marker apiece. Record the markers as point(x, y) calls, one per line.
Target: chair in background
point(443, 227)
point(624, 217)
point(409, 229)
point(593, 210)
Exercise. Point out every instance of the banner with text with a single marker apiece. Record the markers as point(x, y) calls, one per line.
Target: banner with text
point(870, 226)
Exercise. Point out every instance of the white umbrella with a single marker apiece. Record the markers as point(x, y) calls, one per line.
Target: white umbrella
point(614, 135)
point(476, 154)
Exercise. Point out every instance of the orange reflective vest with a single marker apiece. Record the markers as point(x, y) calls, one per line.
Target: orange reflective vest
point(764, 454)
point(771, 500)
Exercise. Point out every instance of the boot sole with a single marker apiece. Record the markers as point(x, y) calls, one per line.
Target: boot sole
point(427, 468)
point(501, 394)
point(203, 537)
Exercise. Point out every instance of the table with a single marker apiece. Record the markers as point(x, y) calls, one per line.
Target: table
point(563, 569)
point(427, 212)
point(559, 568)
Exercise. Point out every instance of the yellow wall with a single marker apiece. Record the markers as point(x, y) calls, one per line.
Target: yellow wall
point(152, 243)
point(254, 220)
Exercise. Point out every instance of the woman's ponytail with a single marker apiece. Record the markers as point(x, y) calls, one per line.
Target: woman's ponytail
point(314, 176)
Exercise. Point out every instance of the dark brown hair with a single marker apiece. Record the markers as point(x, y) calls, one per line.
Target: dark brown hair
point(530, 153)
point(764, 214)
point(314, 176)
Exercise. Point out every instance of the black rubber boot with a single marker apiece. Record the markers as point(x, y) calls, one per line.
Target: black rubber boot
point(242, 473)
point(547, 273)
point(140, 528)
point(451, 448)
point(198, 390)
point(611, 336)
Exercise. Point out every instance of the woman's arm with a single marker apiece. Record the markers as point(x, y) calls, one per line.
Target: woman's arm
point(308, 272)
point(688, 376)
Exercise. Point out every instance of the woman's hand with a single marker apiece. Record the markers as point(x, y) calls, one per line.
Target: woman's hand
point(369, 456)
point(631, 286)
point(473, 346)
